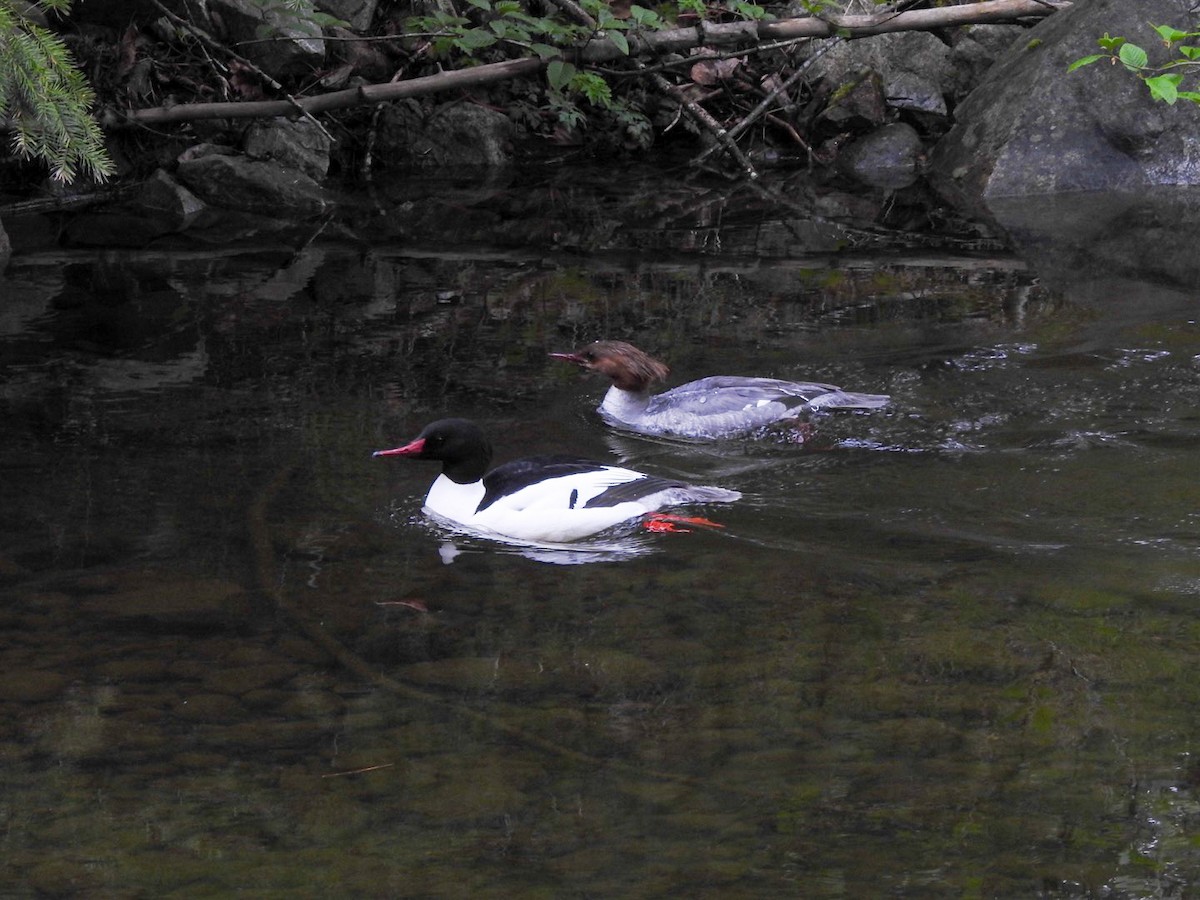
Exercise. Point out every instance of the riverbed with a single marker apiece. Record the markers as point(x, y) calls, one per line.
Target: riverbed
point(944, 649)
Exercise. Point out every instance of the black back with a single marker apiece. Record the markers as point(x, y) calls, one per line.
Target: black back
point(520, 473)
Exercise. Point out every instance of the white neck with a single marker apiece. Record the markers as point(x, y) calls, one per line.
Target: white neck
point(453, 501)
point(624, 406)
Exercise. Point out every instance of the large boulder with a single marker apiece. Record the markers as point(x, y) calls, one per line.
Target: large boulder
point(283, 40)
point(1032, 128)
point(236, 182)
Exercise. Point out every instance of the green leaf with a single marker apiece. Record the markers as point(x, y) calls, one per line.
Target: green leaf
point(328, 21)
point(620, 41)
point(1110, 43)
point(1164, 87)
point(1086, 61)
point(1189, 95)
point(510, 31)
point(485, 5)
point(1133, 56)
point(475, 39)
point(545, 51)
point(593, 87)
point(647, 18)
point(1190, 52)
point(1169, 34)
point(748, 10)
point(559, 74)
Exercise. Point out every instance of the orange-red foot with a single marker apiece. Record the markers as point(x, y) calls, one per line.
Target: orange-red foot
point(667, 523)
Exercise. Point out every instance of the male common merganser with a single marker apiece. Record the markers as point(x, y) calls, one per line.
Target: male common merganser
point(541, 499)
point(721, 406)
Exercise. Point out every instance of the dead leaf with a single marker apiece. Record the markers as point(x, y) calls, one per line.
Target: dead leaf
point(127, 52)
point(714, 71)
point(244, 81)
point(771, 82)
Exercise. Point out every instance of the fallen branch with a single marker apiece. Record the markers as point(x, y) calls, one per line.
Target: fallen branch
point(702, 118)
point(733, 34)
point(768, 101)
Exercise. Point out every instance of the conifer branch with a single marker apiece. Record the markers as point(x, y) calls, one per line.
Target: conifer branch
point(44, 99)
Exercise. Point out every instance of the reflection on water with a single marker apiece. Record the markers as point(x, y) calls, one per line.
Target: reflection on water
point(943, 649)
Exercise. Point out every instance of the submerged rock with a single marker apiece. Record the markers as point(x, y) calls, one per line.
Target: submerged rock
point(1032, 128)
point(169, 602)
point(31, 685)
point(887, 157)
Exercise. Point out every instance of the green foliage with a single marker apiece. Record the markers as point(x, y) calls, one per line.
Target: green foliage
point(492, 29)
point(1162, 81)
point(46, 98)
point(292, 13)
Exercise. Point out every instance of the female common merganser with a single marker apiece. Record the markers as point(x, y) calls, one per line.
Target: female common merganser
point(721, 406)
point(541, 499)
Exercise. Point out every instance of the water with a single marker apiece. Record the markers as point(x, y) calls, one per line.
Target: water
point(943, 650)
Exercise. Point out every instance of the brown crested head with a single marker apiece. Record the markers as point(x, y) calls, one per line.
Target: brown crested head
point(624, 364)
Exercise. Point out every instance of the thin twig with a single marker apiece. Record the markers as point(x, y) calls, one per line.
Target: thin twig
point(213, 44)
point(576, 12)
point(358, 771)
point(708, 123)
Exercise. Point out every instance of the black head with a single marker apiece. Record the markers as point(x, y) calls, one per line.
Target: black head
point(458, 444)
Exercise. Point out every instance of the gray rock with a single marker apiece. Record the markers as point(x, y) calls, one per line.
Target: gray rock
point(888, 157)
point(358, 57)
point(263, 188)
point(859, 102)
point(915, 67)
point(296, 47)
point(1031, 128)
point(907, 90)
point(359, 13)
point(461, 134)
point(976, 48)
point(300, 144)
point(169, 202)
